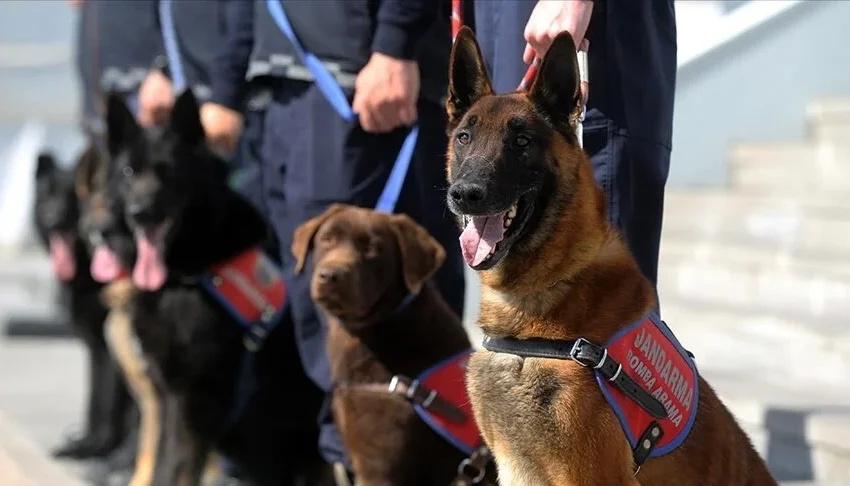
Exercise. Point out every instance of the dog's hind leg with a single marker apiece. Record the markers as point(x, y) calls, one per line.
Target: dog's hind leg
point(96, 440)
point(181, 456)
point(117, 403)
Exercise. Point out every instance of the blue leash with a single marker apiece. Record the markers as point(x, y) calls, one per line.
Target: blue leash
point(327, 84)
point(172, 52)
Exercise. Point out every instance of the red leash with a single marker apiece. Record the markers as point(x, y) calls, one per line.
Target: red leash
point(457, 23)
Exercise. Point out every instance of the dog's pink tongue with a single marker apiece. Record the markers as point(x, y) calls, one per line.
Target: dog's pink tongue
point(480, 237)
point(104, 265)
point(149, 273)
point(62, 257)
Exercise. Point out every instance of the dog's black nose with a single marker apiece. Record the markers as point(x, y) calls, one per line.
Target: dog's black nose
point(467, 195)
point(145, 213)
point(329, 275)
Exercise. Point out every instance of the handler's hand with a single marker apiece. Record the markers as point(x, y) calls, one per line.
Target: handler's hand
point(385, 93)
point(551, 17)
point(156, 99)
point(222, 126)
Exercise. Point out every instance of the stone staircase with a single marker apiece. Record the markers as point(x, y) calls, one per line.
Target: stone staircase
point(755, 280)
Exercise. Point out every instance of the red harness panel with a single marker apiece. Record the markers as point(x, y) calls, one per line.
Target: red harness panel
point(652, 356)
point(249, 285)
point(448, 380)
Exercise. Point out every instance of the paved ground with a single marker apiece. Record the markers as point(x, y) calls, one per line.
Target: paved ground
point(797, 420)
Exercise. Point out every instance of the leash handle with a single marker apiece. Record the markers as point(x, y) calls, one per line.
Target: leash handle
point(169, 41)
point(531, 72)
point(333, 92)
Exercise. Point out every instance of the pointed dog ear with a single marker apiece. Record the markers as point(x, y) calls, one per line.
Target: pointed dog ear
point(89, 172)
point(121, 126)
point(302, 240)
point(421, 254)
point(468, 79)
point(556, 90)
point(186, 118)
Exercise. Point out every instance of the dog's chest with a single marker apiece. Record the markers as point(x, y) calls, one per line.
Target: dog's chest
point(351, 360)
point(183, 325)
point(513, 398)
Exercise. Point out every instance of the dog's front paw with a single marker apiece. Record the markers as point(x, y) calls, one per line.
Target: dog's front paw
point(84, 447)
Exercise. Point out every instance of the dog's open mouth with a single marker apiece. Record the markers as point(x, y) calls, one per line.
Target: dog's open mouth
point(150, 271)
point(105, 266)
point(62, 254)
point(486, 239)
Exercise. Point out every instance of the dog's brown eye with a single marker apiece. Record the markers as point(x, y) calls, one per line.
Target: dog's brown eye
point(522, 141)
point(463, 138)
point(373, 249)
point(127, 171)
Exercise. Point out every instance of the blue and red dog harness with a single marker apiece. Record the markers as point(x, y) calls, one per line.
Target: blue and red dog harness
point(251, 288)
point(438, 396)
point(648, 379)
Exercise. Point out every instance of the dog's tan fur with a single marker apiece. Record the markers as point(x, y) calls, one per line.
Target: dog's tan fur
point(546, 420)
point(120, 337)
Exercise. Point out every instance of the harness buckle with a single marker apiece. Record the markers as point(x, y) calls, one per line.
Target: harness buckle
point(578, 345)
point(254, 338)
point(469, 470)
point(400, 385)
point(474, 467)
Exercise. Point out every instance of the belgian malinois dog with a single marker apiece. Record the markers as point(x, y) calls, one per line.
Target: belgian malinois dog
point(580, 382)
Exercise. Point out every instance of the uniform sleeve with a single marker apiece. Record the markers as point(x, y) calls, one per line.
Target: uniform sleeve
point(227, 73)
point(401, 23)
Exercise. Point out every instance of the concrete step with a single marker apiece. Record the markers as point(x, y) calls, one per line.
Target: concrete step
point(23, 463)
point(676, 251)
point(794, 167)
point(829, 119)
point(809, 225)
point(708, 201)
point(824, 298)
point(773, 351)
point(795, 405)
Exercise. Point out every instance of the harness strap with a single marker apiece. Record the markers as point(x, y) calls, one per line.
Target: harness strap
point(590, 355)
point(415, 393)
point(333, 92)
point(586, 354)
point(253, 338)
point(472, 470)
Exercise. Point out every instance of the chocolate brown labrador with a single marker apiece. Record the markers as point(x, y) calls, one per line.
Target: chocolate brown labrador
point(388, 325)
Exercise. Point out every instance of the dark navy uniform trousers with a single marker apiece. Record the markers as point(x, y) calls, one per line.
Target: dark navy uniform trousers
point(311, 159)
point(627, 130)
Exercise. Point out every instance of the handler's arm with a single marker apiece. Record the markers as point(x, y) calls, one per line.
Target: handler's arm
point(401, 23)
point(227, 73)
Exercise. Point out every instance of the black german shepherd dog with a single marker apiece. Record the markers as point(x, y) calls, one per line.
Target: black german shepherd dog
point(57, 212)
point(249, 400)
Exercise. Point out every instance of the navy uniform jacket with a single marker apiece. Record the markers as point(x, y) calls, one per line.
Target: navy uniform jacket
point(632, 61)
point(342, 33)
point(121, 40)
point(117, 43)
point(200, 25)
